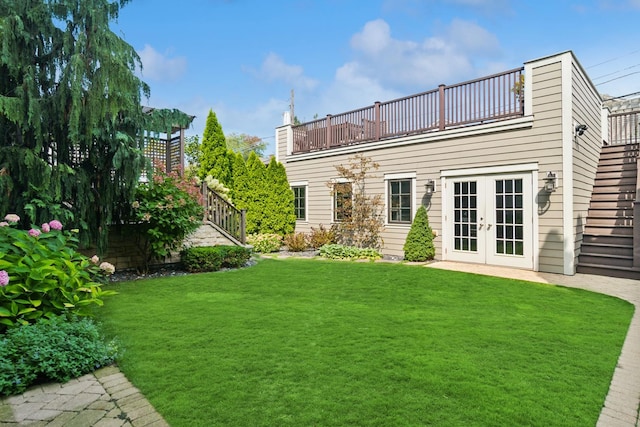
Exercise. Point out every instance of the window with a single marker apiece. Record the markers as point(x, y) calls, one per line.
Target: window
point(300, 202)
point(299, 189)
point(399, 203)
point(342, 202)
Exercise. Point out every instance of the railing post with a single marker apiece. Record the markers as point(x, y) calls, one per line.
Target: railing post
point(441, 107)
point(328, 136)
point(376, 115)
point(243, 226)
point(636, 220)
point(205, 201)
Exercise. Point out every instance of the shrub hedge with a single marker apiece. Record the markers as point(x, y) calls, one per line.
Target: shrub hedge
point(212, 258)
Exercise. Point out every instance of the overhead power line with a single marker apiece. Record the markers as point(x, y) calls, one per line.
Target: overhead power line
point(618, 78)
point(613, 59)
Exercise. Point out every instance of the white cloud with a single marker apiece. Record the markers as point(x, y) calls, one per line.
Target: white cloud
point(440, 58)
point(273, 68)
point(159, 67)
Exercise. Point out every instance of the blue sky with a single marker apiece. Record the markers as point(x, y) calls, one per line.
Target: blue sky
point(242, 58)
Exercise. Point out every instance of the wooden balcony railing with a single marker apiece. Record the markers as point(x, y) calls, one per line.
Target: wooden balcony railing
point(484, 100)
point(624, 128)
point(224, 214)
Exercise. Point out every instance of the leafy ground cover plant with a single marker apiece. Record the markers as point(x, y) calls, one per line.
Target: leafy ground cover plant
point(337, 251)
point(55, 349)
point(265, 243)
point(301, 342)
point(166, 210)
point(213, 258)
point(43, 275)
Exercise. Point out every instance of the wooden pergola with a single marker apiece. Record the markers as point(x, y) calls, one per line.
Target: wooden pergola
point(164, 136)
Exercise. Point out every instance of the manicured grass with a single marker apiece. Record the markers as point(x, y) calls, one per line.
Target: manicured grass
point(307, 342)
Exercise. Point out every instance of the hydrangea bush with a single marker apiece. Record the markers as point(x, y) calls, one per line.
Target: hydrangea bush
point(43, 275)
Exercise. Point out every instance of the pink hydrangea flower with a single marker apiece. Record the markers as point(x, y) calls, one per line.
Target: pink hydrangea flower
point(34, 233)
point(4, 224)
point(55, 225)
point(4, 278)
point(12, 218)
point(45, 228)
point(108, 268)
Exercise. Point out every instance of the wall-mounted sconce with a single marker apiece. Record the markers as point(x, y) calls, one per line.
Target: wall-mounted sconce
point(550, 182)
point(430, 186)
point(580, 129)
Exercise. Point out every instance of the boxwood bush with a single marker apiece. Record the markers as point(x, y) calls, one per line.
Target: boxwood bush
point(212, 258)
point(55, 349)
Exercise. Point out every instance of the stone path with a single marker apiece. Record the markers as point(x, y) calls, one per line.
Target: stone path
point(104, 398)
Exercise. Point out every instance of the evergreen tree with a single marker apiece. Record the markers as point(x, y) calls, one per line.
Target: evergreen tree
point(256, 194)
point(279, 214)
point(214, 159)
point(70, 114)
point(419, 244)
point(241, 184)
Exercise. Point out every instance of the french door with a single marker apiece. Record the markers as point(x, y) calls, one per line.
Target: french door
point(489, 219)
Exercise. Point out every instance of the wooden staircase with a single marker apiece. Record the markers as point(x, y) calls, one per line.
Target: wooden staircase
point(607, 245)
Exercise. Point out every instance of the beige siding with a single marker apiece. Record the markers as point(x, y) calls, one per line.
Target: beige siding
point(538, 141)
point(586, 109)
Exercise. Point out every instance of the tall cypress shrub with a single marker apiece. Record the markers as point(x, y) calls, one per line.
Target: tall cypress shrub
point(279, 214)
point(419, 243)
point(256, 193)
point(214, 160)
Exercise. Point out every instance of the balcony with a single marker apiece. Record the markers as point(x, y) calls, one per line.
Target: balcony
point(484, 100)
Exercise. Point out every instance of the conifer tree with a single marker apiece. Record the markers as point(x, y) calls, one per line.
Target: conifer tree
point(240, 180)
point(256, 193)
point(214, 159)
point(279, 213)
point(419, 243)
point(70, 114)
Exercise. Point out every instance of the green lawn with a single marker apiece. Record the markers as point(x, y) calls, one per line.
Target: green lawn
point(318, 343)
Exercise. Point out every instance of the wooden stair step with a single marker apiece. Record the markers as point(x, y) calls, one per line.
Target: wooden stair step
point(610, 271)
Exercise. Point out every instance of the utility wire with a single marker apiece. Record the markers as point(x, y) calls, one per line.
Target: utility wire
point(612, 59)
point(615, 72)
point(617, 78)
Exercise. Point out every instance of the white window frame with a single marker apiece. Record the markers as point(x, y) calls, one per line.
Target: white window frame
point(414, 205)
point(304, 184)
point(333, 196)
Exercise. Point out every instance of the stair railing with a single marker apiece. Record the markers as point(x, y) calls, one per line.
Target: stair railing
point(223, 214)
point(636, 218)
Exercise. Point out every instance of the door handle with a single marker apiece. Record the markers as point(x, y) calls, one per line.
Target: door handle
point(488, 226)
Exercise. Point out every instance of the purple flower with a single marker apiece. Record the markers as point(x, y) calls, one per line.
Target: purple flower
point(45, 228)
point(12, 218)
point(34, 233)
point(55, 224)
point(4, 278)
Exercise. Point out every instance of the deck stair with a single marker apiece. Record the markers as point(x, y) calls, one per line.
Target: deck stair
point(607, 245)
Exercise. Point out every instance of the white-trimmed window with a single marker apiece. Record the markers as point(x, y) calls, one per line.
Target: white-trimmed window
point(400, 197)
point(300, 199)
point(342, 200)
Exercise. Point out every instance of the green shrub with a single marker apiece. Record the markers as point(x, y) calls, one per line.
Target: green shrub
point(213, 258)
point(321, 236)
point(419, 243)
point(55, 349)
point(296, 242)
point(166, 211)
point(334, 251)
point(42, 274)
point(265, 243)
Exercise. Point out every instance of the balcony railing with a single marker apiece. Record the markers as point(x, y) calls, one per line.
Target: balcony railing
point(624, 128)
point(484, 100)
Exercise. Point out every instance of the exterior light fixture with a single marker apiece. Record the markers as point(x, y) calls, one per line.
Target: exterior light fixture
point(430, 186)
point(550, 182)
point(580, 129)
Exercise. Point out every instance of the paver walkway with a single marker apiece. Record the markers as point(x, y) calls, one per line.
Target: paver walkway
point(104, 398)
point(107, 399)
